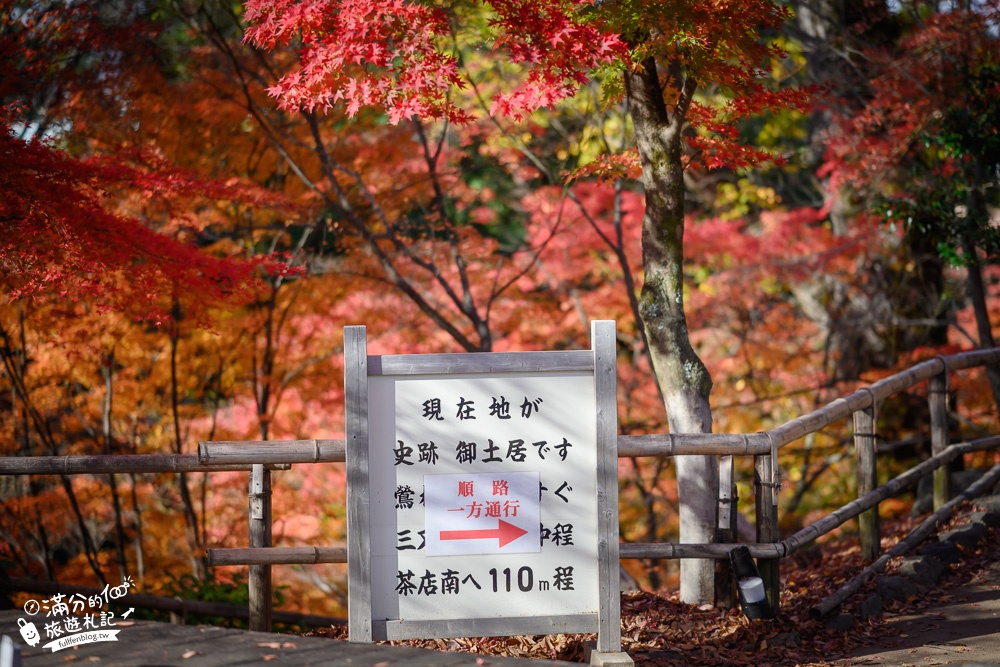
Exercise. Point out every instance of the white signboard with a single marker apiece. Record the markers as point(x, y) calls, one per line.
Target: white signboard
point(482, 493)
point(483, 496)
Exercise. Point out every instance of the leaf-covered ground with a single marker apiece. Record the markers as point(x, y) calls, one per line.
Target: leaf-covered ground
point(658, 630)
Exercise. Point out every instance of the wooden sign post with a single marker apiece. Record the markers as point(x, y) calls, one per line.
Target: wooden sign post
point(483, 494)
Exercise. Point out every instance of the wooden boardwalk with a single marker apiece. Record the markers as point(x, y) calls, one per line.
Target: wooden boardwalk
point(151, 644)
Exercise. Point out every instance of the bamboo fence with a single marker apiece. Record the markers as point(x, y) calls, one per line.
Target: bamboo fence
point(861, 406)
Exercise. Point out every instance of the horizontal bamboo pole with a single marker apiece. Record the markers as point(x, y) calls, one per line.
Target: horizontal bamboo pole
point(277, 556)
point(880, 390)
point(112, 463)
point(905, 545)
point(682, 444)
point(332, 451)
point(963, 360)
point(173, 605)
point(667, 550)
point(271, 451)
point(221, 456)
point(869, 500)
point(837, 410)
point(891, 488)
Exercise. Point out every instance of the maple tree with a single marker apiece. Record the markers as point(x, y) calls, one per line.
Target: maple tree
point(63, 233)
point(656, 56)
point(275, 345)
point(922, 152)
point(94, 228)
point(456, 228)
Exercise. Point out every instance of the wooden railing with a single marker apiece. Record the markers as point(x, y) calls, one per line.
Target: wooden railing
point(860, 406)
point(100, 464)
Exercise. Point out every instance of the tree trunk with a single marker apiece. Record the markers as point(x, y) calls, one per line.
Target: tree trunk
point(107, 372)
point(682, 377)
point(199, 565)
point(977, 295)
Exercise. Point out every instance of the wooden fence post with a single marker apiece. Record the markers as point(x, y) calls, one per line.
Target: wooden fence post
point(359, 561)
point(864, 449)
point(937, 398)
point(766, 497)
point(725, 533)
point(259, 583)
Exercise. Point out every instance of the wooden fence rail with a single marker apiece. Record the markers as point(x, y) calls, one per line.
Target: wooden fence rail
point(101, 464)
point(904, 546)
point(664, 550)
point(860, 406)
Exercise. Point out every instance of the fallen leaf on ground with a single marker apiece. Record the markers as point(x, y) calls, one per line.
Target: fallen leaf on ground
point(660, 631)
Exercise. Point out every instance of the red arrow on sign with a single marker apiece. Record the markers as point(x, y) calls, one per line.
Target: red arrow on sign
point(505, 532)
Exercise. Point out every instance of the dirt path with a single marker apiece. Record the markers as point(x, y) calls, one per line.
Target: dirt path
point(963, 628)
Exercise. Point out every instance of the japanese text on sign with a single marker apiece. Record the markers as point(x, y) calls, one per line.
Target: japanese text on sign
point(482, 513)
point(496, 469)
